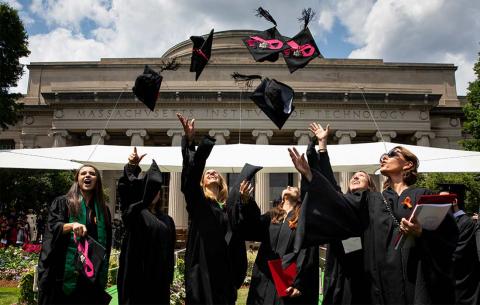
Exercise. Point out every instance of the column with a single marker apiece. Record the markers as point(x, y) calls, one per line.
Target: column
point(176, 200)
point(345, 137)
point(302, 136)
point(137, 136)
point(262, 181)
point(387, 136)
point(220, 135)
point(27, 140)
point(109, 181)
point(98, 136)
point(60, 137)
point(423, 137)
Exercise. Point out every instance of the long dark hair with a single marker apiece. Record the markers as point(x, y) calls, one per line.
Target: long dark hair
point(73, 195)
point(278, 214)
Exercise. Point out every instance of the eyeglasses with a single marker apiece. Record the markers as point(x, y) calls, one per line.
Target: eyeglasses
point(391, 154)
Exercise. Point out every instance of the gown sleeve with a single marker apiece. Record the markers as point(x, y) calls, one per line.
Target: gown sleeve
point(194, 161)
point(320, 161)
point(130, 190)
point(251, 223)
point(327, 214)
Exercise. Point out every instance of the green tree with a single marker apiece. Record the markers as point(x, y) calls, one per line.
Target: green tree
point(472, 112)
point(32, 189)
point(472, 198)
point(13, 45)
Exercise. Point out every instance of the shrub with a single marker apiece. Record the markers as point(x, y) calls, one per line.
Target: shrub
point(178, 295)
point(27, 296)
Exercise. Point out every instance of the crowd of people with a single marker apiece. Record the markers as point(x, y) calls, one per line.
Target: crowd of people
point(370, 270)
point(21, 228)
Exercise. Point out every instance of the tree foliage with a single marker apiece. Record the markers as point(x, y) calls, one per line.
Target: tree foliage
point(32, 189)
point(472, 182)
point(13, 46)
point(472, 112)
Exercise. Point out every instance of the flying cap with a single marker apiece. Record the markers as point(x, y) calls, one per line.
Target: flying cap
point(266, 45)
point(147, 85)
point(301, 48)
point(201, 52)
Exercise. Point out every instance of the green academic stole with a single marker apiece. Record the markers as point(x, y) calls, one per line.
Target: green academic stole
point(71, 274)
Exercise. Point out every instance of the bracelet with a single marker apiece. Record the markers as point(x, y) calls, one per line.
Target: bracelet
point(322, 150)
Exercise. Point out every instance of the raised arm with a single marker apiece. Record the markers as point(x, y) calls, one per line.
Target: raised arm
point(130, 187)
point(194, 161)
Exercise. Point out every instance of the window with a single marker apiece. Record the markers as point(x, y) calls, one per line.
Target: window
point(7, 144)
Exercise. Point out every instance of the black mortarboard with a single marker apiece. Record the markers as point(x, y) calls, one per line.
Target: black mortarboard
point(275, 99)
point(247, 173)
point(302, 48)
point(153, 181)
point(148, 84)
point(201, 52)
point(455, 188)
point(268, 44)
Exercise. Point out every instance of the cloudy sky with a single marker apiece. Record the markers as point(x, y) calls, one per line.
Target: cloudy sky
point(430, 31)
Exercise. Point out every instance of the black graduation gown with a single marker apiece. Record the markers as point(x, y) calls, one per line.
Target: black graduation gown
point(211, 275)
point(277, 240)
point(419, 274)
point(147, 253)
point(345, 281)
point(51, 264)
point(466, 262)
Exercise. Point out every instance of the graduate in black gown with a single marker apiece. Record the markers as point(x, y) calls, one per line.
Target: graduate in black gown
point(276, 232)
point(81, 211)
point(147, 254)
point(345, 281)
point(465, 259)
point(215, 259)
point(421, 271)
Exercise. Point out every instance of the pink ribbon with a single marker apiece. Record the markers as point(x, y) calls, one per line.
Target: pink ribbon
point(305, 50)
point(272, 44)
point(87, 263)
point(200, 52)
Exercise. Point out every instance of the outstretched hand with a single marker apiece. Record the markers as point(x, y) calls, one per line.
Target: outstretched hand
point(300, 163)
point(188, 126)
point(246, 191)
point(320, 133)
point(134, 159)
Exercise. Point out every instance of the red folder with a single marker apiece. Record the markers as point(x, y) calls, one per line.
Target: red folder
point(282, 278)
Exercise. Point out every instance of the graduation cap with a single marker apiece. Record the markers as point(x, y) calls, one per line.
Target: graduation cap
point(455, 188)
point(153, 181)
point(301, 48)
point(201, 52)
point(247, 173)
point(268, 44)
point(148, 84)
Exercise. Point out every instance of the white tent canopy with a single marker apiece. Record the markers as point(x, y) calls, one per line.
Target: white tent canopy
point(231, 158)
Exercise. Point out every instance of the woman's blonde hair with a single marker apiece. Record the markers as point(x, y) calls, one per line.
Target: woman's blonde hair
point(222, 192)
point(410, 175)
point(371, 184)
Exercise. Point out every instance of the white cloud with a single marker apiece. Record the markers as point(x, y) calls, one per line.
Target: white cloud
point(436, 31)
point(13, 3)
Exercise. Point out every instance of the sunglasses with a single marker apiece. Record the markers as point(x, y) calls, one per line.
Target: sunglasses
point(391, 154)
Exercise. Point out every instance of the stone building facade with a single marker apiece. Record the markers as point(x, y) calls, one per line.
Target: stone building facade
point(69, 103)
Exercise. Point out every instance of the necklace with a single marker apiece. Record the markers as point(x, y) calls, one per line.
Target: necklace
point(389, 209)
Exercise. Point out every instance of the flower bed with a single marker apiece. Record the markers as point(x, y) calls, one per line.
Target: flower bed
point(14, 262)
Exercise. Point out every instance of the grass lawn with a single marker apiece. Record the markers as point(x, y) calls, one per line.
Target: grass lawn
point(8, 295)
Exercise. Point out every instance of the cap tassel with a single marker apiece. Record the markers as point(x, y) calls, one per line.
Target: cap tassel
point(265, 14)
point(244, 78)
point(307, 16)
point(169, 64)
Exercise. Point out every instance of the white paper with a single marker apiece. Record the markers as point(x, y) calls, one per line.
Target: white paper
point(352, 244)
point(430, 216)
